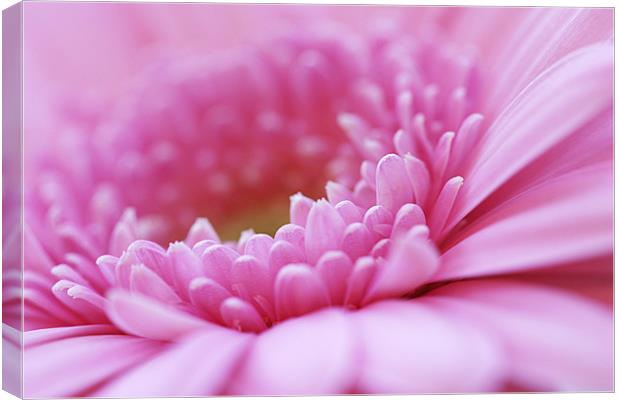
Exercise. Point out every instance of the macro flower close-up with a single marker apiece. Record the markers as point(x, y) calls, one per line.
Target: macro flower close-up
point(296, 200)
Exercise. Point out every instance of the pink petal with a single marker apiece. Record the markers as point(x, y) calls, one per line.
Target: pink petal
point(393, 187)
point(141, 316)
point(217, 262)
point(258, 246)
point(201, 230)
point(294, 234)
point(299, 290)
point(200, 365)
point(357, 240)
point(324, 230)
point(334, 267)
point(337, 192)
point(514, 140)
point(147, 282)
point(537, 41)
point(379, 220)
point(569, 218)
point(554, 341)
point(241, 315)
point(363, 272)
point(349, 212)
point(300, 207)
point(409, 347)
point(186, 266)
point(47, 335)
point(314, 354)
point(207, 295)
point(281, 254)
point(406, 218)
point(70, 367)
point(411, 263)
point(419, 178)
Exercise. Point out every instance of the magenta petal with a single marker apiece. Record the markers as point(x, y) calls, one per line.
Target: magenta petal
point(567, 219)
point(324, 230)
point(70, 367)
point(553, 340)
point(294, 234)
point(185, 265)
point(334, 267)
point(411, 262)
point(514, 140)
point(406, 218)
point(393, 187)
point(258, 246)
point(300, 207)
point(241, 315)
point(142, 316)
point(201, 230)
point(40, 336)
point(313, 354)
point(200, 365)
point(409, 347)
point(299, 290)
point(349, 212)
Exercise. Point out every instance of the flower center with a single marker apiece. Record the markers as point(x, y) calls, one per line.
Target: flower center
point(228, 144)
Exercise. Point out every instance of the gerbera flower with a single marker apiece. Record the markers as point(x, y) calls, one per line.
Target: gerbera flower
point(440, 267)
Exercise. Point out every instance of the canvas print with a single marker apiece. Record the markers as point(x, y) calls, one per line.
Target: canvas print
point(241, 199)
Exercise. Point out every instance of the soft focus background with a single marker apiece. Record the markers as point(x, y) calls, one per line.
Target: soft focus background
point(92, 50)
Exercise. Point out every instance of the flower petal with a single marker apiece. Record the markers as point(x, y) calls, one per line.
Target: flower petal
point(410, 264)
point(584, 80)
point(408, 347)
point(142, 316)
point(567, 219)
point(70, 367)
point(313, 354)
point(554, 340)
point(200, 365)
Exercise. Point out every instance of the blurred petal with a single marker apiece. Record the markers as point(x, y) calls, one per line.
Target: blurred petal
point(567, 219)
point(200, 365)
point(408, 347)
point(70, 367)
point(142, 316)
point(537, 120)
point(313, 354)
point(554, 341)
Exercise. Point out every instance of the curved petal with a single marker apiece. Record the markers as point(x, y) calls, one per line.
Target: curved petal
point(71, 367)
point(313, 354)
point(553, 340)
point(590, 146)
point(408, 347)
point(560, 101)
point(46, 335)
point(592, 278)
point(199, 365)
point(567, 219)
point(541, 38)
point(142, 316)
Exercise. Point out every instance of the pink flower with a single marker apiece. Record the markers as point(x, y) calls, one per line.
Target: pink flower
point(453, 253)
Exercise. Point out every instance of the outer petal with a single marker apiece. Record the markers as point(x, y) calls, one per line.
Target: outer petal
point(313, 354)
point(590, 146)
point(199, 365)
point(72, 367)
point(553, 107)
point(142, 316)
point(592, 278)
point(569, 218)
point(554, 340)
point(408, 347)
point(543, 37)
